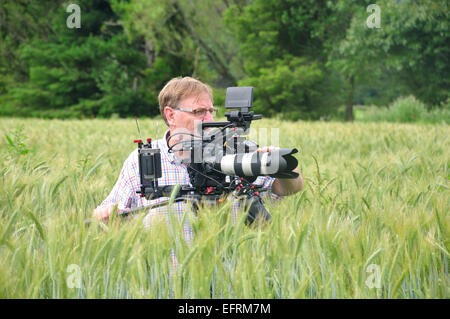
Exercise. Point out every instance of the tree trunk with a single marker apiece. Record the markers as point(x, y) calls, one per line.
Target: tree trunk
point(149, 52)
point(349, 117)
point(213, 58)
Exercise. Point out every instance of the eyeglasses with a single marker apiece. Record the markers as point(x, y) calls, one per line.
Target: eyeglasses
point(200, 113)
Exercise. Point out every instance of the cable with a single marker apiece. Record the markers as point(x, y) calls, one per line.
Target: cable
point(170, 150)
point(205, 176)
point(177, 150)
point(199, 138)
point(182, 133)
point(177, 143)
point(226, 126)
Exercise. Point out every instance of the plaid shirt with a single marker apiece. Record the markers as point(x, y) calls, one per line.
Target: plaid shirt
point(124, 191)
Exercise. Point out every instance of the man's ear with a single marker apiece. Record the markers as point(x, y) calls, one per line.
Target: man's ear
point(169, 113)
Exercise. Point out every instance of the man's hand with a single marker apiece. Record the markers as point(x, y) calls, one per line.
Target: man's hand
point(103, 213)
point(288, 186)
point(284, 186)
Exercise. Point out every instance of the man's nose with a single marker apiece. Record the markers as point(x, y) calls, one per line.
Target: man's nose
point(208, 117)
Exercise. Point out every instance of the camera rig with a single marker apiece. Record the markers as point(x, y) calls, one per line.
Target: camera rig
point(219, 161)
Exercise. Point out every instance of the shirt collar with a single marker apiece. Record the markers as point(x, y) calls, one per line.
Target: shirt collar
point(165, 149)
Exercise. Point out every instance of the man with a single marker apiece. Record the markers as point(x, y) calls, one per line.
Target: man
point(182, 102)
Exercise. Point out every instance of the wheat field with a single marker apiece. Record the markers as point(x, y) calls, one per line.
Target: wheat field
point(371, 222)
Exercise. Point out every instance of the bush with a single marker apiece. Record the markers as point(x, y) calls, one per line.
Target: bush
point(405, 110)
point(439, 114)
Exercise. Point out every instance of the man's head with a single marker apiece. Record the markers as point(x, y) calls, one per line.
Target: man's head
point(184, 101)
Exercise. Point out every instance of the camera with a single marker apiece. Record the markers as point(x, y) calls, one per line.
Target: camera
point(220, 159)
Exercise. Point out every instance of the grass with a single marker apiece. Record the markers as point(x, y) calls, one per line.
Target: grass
point(375, 202)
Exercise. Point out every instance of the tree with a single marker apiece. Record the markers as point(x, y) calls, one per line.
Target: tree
point(283, 44)
point(20, 22)
point(188, 35)
point(90, 71)
point(411, 46)
point(354, 65)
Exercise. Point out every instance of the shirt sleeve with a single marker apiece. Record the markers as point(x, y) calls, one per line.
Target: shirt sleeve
point(124, 191)
point(266, 182)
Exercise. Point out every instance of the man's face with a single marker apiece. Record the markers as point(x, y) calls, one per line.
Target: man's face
point(183, 120)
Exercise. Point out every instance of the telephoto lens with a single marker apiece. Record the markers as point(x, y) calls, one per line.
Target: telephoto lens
point(276, 163)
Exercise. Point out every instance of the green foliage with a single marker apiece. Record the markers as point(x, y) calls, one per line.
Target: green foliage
point(270, 30)
point(20, 22)
point(189, 36)
point(304, 58)
point(283, 48)
point(16, 143)
point(405, 110)
point(411, 46)
point(289, 87)
point(91, 71)
point(437, 115)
